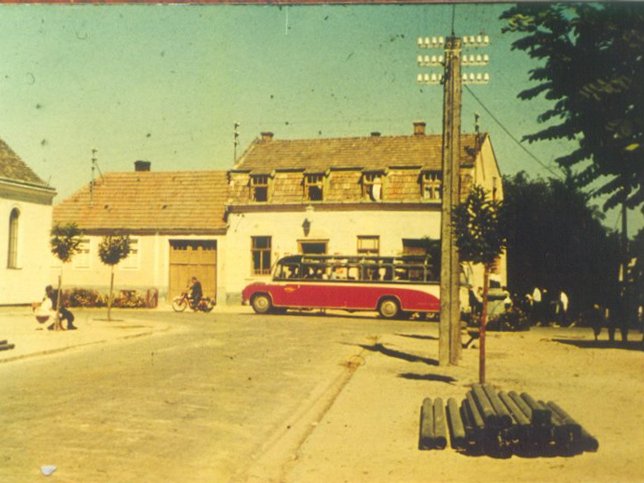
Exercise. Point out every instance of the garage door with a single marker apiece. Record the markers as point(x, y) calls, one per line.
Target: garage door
point(193, 258)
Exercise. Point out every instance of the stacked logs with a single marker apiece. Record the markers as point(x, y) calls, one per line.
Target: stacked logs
point(501, 424)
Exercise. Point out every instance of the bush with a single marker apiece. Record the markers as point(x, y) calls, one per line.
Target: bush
point(81, 297)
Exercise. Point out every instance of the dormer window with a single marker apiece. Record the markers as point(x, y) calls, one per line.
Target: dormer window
point(259, 188)
point(313, 187)
point(431, 185)
point(372, 186)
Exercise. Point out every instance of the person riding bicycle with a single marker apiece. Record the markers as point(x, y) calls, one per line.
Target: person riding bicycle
point(195, 292)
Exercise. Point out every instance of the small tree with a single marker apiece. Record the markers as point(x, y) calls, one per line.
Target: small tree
point(64, 242)
point(112, 250)
point(480, 238)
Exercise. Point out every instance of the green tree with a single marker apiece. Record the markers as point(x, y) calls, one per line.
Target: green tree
point(591, 70)
point(113, 249)
point(64, 242)
point(557, 240)
point(480, 238)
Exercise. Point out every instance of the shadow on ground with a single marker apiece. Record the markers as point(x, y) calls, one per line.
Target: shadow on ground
point(416, 336)
point(427, 377)
point(398, 354)
point(635, 345)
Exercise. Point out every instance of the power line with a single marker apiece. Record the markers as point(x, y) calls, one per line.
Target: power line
point(518, 143)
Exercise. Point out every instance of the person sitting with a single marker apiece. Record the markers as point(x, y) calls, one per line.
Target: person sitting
point(48, 305)
point(195, 293)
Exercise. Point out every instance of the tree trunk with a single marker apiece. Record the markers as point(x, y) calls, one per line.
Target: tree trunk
point(483, 323)
point(111, 297)
point(59, 296)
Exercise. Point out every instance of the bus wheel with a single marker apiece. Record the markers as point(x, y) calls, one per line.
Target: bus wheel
point(261, 303)
point(388, 308)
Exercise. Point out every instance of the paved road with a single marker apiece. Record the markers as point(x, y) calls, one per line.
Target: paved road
point(205, 401)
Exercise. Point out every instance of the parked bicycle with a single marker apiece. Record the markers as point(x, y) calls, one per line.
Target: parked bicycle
point(183, 301)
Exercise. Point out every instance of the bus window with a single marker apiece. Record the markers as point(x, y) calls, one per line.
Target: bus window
point(290, 271)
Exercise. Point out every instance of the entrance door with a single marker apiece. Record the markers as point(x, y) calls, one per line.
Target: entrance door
point(193, 258)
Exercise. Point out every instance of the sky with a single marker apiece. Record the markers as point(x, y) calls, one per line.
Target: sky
point(167, 83)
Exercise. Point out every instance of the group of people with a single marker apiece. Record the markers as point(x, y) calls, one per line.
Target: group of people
point(546, 308)
point(46, 310)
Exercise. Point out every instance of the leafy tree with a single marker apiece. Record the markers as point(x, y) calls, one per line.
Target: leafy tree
point(592, 69)
point(557, 241)
point(480, 238)
point(65, 241)
point(113, 249)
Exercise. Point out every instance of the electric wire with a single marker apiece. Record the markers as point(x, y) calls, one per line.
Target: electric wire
point(516, 141)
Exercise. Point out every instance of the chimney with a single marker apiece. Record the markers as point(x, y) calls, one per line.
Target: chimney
point(419, 128)
point(267, 136)
point(142, 165)
point(375, 134)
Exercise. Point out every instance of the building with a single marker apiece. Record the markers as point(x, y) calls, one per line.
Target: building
point(25, 222)
point(376, 194)
point(373, 195)
point(175, 221)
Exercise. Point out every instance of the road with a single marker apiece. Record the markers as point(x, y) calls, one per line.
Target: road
point(223, 397)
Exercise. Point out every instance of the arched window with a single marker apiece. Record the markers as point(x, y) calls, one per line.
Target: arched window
point(12, 254)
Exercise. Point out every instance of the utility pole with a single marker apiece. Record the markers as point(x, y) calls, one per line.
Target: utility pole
point(449, 345)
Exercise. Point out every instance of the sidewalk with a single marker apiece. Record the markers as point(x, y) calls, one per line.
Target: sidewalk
point(19, 328)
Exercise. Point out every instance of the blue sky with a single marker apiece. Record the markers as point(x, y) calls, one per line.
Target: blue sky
point(165, 83)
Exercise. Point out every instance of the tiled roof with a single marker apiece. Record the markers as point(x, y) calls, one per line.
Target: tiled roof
point(374, 152)
point(149, 202)
point(14, 168)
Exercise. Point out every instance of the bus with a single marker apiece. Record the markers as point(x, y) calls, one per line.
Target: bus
point(392, 286)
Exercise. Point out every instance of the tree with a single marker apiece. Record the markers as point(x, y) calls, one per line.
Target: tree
point(556, 240)
point(592, 69)
point(113, 249)
point(480, 238)
point(65, 241)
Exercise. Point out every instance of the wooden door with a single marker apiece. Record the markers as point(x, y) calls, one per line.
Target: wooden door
point(193, 258)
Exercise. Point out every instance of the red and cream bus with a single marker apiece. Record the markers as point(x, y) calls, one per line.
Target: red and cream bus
point(390, 285)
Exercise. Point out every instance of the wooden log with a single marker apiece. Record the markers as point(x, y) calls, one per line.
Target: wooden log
point(440, 425)
point(468, 424)
point(456, 425)
point(541, 416)
point(485, 406)
point(521, 404)
point(6, 347)
point(582, 439)
point(520, 429)
point(503, 415)
point(475, 438)
point(427, 435)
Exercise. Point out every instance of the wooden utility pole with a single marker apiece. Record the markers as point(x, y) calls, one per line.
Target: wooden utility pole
point(449, 345)
point(450, 332)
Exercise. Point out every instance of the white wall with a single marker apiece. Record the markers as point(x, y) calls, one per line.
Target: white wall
point(340, 228)
point(150, 268)
point(26, 283)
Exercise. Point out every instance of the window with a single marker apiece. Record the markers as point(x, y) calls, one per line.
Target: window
point(372, 186)
point(313, 187)
point(12, 253)
point(313, 247)
point(82, 257)
point(261, 254)
point(431, 185)
point(259, 188)
point(369, 245)
point(131, 262)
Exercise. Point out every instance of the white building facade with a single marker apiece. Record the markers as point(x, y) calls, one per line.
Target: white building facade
point(25, 223)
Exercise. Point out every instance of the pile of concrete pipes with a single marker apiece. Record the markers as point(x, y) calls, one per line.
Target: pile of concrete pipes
point(501, 424)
